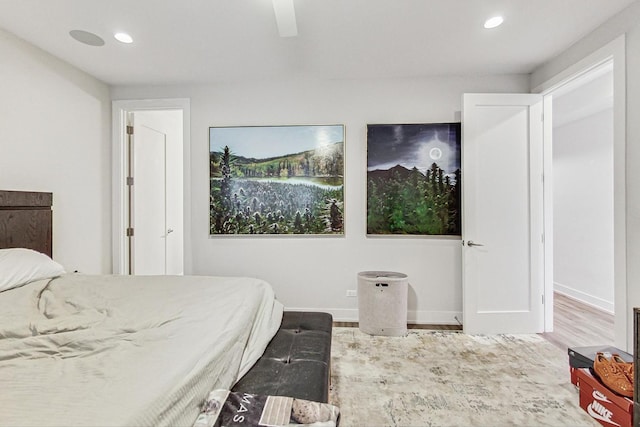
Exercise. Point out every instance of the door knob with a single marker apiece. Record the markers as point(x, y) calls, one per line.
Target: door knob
point(169, 231)
point(471, 243)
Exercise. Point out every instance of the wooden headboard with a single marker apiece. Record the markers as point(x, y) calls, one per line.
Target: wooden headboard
point(26, 220)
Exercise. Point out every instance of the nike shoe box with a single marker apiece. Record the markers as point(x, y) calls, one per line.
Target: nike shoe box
point(583, 357)
point(603, 405)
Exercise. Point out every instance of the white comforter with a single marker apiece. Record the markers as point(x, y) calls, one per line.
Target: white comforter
point(127, 351)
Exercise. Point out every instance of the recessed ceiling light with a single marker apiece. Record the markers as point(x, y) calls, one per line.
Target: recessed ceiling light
point(493, 22)
point(86, 37)
point(123, 38)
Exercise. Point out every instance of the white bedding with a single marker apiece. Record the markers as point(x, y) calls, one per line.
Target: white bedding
point(127, 351)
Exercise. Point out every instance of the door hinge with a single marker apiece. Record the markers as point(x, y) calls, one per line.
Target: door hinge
point(129, 180)
point(129, 231)
point(542, 299)
point(542, 237)
point(129, 130)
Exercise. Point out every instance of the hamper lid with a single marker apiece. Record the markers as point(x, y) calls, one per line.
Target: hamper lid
point(382, 275)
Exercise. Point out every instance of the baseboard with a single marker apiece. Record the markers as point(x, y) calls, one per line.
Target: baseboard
point(413, 316)
point(584, 297)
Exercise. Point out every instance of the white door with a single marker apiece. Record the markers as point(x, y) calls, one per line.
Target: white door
point(502, 221)
point(170, 117)
point(149, 200)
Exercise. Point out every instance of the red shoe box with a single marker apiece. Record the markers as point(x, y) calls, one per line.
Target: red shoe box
point(603, 405)
point(583, 357)
point(574, 375)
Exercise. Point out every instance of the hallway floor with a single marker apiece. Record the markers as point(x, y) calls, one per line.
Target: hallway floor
point(577, 324)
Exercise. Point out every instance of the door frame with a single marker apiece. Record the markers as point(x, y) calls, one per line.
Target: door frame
point(613, 51)
point(119, 112)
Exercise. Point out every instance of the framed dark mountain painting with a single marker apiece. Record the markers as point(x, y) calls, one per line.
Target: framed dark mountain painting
point(276, 180)
point(413, 179)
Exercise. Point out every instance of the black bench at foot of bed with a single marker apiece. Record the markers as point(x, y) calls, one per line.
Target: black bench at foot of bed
point(296, 362)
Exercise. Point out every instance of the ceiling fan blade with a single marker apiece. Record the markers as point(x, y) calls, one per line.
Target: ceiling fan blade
point(285, 18)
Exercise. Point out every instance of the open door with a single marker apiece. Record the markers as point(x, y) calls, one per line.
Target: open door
point(149, 202)
point(154, 215)
point(160, 116)
point(502, 221)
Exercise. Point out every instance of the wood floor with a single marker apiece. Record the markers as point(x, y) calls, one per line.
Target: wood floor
point(576, 324)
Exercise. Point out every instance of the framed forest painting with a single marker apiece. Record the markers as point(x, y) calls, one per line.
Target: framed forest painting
point(276, 180)
point(413, 179)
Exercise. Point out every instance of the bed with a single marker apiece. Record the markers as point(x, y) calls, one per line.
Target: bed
point(80, 350)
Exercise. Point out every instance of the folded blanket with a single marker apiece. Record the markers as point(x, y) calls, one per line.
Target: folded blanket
point(224, 408)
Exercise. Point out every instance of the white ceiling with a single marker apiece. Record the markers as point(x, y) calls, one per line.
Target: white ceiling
point(205, 41)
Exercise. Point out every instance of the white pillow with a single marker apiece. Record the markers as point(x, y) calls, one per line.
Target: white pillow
point(19, 266)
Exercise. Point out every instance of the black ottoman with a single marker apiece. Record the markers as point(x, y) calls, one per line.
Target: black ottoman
point(296, 363)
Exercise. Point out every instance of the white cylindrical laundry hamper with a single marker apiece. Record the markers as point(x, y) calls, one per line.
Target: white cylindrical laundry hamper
point(382, 302)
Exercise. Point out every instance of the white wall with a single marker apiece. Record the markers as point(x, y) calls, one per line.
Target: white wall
point(583, 209)
point(628, 23)
point(54, 136)
point(314, 273)
point(633, 172)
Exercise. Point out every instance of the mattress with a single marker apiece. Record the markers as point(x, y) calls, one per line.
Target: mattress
point(83, 350)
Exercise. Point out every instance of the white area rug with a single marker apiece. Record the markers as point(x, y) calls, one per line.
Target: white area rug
point(441, 378)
